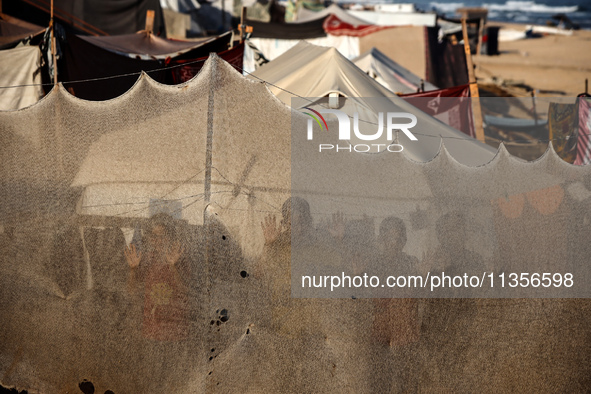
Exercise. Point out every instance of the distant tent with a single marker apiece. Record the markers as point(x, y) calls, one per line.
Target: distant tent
point(391, 74)
point(311, 71)
point(396, 18)
point(274, 39)
point(92, 59)
point(305, 15)
point(20, 77)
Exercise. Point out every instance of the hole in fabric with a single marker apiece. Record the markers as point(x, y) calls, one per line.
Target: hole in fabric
point(86, 387)
point(243, 274)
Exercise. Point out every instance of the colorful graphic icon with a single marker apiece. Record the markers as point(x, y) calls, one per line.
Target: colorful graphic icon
point(316, 118)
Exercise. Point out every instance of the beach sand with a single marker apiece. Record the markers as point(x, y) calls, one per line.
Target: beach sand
point(553, 65)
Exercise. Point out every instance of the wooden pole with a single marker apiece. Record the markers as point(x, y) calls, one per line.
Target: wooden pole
point(480, 30)
point(53, 47)
point(533, 100)
point(242, 19)
point(476, 110)
point(149, 27)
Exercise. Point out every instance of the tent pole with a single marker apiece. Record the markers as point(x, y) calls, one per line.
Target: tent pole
point(149, 26)
point(480, 31)
point(242, 18)
point(533, 100)
point(52, 37)
point(476, 110)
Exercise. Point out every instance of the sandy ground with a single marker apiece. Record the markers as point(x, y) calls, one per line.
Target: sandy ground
point(550, 64)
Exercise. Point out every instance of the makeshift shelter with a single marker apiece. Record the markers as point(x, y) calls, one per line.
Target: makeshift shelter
point(73, 173)
point(396, 18)
point(305, 15)
point(311, 71)
point(390, 74)
point(20, 77)
point(88, 61)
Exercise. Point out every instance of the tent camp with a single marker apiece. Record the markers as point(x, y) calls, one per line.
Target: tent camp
point(311, 71)
point(89, 60)
point(76, 174)
point(390, 74)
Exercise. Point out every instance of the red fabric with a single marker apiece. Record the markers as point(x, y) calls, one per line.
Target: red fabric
point(166, 304)
point(336, 27)
point(455, 112)
point(187, 69)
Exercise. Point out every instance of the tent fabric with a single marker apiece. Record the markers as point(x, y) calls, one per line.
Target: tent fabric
point(452, 106)
point(86, 62)
point(390, 74)
point(177, 24)
point(584, 133)
point(563, 120)
point(305, 15)
point(287, 31)
point(91, 16)
point(409, 51)
point(77, 176)
point(396, 18)
point(272, 48)
point(144, 44)
point(445, 63)
point(12, 31)
point(184, 70)
point(180, 5)
point(311, 71)
point(335, 26)
point(20, 67)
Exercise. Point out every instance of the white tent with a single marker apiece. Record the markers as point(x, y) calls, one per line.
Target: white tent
point(19, 67)
point(396, 18)
point(311, 71)
point(389, 73)
point(305, 15)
